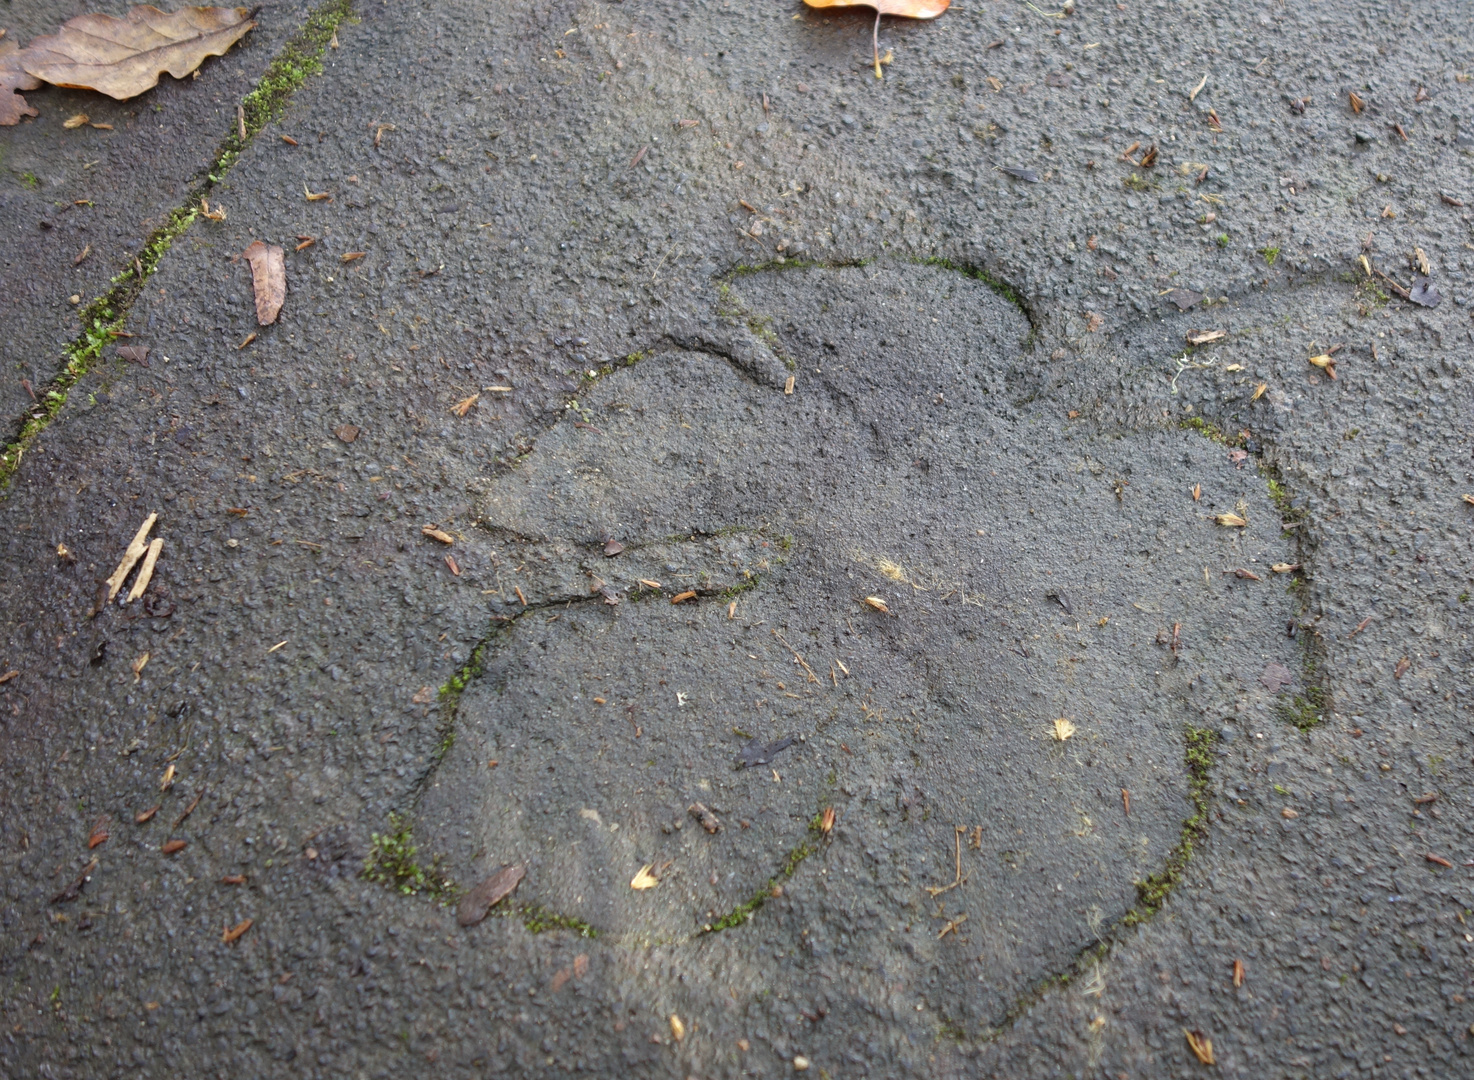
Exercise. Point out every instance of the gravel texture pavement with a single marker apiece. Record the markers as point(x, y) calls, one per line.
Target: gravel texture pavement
point(674, 434)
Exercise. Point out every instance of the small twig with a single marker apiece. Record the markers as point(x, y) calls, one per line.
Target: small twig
point(875, 44)
point(812, 677)
point(957, 837)
point(952, 925)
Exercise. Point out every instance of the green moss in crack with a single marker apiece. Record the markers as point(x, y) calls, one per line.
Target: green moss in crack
point(299, 60)
point(732, 592)
point(988, 278)
point(1307, 708)
point(1152, 892)
point(1210, 430)
point(1270, 254)
point(539, 919)
point(393, 861)
point(745, 911)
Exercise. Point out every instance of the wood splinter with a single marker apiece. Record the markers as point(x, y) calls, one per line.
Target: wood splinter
point(135, 551)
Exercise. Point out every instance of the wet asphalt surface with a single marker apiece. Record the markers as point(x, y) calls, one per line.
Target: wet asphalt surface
point(986, 502)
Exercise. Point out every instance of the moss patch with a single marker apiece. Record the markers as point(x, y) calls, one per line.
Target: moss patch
point(393, 861)
point(1152, 892)
point(988, 278)
point(744, 912)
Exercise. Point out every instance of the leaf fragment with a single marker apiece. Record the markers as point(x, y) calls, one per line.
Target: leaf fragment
point(682, 597)
point(677, 1028)
point(1402, 668)
point(268, 279)
point(1355, 101)
point(123, 57)
point(1238, 974)
point(71, 123)
point(437, 534)
point(645, 879)
point(826, 821)
point(13, 79)
point(1063, 729)
point(1259, 391)
point(99, 834)
point(1285, 567)
point(708, 820)
point(1204, 337)
point(233, 933)
point(1201, 1046)
point(877, 604)
point(1232, 521)
point(462, 407)
point(172, 847)
point(483, 897)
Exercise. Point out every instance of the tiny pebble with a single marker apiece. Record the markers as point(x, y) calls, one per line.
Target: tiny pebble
point(800, 1063)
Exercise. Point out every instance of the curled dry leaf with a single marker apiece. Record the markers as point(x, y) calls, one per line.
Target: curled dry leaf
point(826, 821)
point(172, 847)
point(268, 279)
point(481, 899)
point(71, 123)
point(1259, 391)
point(1401, 669)
point(1469, 499)
point(1063, 729)
point(682, 597)
point(1232, 521)
point(878, 604)
point(233, 933)
point(1355, 101)
point(436, 534)
point(1285, 567)
point(1201, 1046)
point(123, 57)
point(613, 547)
point(677, 1028)
point(144, 816)
point(910, 9)
point(99, 833)
point(1238, 974)
point(645, 879)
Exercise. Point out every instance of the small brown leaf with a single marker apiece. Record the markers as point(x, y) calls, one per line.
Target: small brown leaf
point(1469, 499)
point(826, 821)
point(462, 407)
point(1357, 104)
point(1288, 814)
point(1197, 492)
point(1126, 801)
point(233, 933)
point(1259, 391)
point(167, 780)
point(144, 816)
point(423, 696)
point(1247, 575)
point(305, 242)
point(1439, 859)
point(454, 566)
point(1401, 669)
point(1284, 567)
point(268, 279)
point(1149, 158)
point(13, 78)
point(877, 604)
point(99, 833)
point(217, 214)
point(681, 597)
point(483, 897)
point(233, 879)
point(677, 1028)
point(644, 879)
point(613, 547)
point(649, 584)
point(172, 846)
point(1232, 521)
point(437, 534)
point(1238, 974)
point(347, 432)
point(123, 57)
point(352, 256)
point(1201, 1046)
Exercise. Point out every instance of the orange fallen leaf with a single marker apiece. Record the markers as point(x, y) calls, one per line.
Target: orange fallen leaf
point(1232, 521)
point(233, 879)
point(236, 931)
point(1238, 974)
point(172, 846)
point(1197, 492)
point(436, 534)
point(454, 566)
point(910, 9)
point(689, 594)
point(99, 833)
point(268, 279)
point(144, 816)
point(826, 823)
point(352, 255)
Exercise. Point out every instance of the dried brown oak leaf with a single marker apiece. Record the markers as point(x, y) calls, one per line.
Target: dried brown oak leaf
point(910, 9)
point(268, 278)
point(13, 79)
point(124, 57)
point(476, 903)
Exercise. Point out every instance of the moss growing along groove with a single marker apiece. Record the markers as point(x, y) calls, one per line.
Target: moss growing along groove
point(1152, 892)
point(988, 278)
point(745, 911)
point(299, 59)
